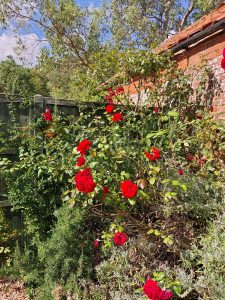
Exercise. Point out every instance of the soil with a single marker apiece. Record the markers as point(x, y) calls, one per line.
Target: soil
point(12, 290)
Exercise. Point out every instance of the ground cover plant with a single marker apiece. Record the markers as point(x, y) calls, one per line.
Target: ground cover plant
point(123, 201)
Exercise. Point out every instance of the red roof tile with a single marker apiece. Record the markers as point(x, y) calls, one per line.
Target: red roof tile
point(216, 15)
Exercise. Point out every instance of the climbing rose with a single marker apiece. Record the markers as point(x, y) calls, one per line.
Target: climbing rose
point(108, 98)
point(109, 108)
point(120, 238)
point(80, 161)
point(105, 190)
point(111, 92)
point(119, 90)
point(224, 52)
point(84, 146)
point(199, 117)
point(156, 109)
point(152, 289)
point(165, 295)
point(47, 115)
point(117, 117)
point(84, 181)
point(180, 172)
point(223, 63)
point(154, 155)
point(190, 157)
point(128, 189)
point(156, 152)
point(96, 243)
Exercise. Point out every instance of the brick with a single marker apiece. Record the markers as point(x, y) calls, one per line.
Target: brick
point(215, 16)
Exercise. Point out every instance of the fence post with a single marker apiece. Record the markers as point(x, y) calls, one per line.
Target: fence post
point(39, 105)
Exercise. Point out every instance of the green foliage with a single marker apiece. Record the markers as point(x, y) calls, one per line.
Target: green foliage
point(88, 47)
point(61, 260)
point(207, 259)
point(17, 80)
point(168, 211)
point(6, 235)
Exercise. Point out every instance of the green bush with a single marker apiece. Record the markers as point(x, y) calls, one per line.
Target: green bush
point(207, 258)
point(6, 236)
point(178, 194)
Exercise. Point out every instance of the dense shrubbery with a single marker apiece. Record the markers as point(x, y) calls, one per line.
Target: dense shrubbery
point(151, 183)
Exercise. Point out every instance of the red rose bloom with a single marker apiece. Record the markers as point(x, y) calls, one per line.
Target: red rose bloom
point(109, 108)
point(120, 238)
point(111, 92)
point(80, 161)
point(47, 115)
point(224, 52)
point(150, 156)
point(108, 98)
point(105, 190)
point(120, 90)
point(152, 289)
point(117, 117)
point(201, 161)
point(96, 243)
point(223, 63)
point(154, 155)
point(190, 157)
point(156, 152)
point(84, 181)
point(180, 172)
point(165, 295)
point(156, 109)
point(128, 189)
point(84, 146)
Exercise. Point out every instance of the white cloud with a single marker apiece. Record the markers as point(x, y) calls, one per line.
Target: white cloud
point(26, 52)
point(91, 6)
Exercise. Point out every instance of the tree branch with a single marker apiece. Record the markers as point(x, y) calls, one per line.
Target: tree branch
point(186, 15)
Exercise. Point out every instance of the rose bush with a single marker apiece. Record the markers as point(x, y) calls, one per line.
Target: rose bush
point(108, 184)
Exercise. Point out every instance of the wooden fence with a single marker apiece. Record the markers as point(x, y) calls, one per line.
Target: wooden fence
point(23, 115)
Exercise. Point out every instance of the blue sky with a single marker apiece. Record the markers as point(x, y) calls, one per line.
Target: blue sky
point(87, 3)
point(31, 36)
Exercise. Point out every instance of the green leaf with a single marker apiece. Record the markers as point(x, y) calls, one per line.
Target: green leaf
point(177, 290)
point(152, 180)
point(173, 113)
point(168, 241)
point(156, 233)
point(158, 276)
point(164, 118)
point(155, 134)
point(138, 291)
point(142, 194)
point(141, 279)
point(132, 202)
point(184, 187)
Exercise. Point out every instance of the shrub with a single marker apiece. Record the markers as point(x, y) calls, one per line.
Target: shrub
point(143, 184)
point(207, 259)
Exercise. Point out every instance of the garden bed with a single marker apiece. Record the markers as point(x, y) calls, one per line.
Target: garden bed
point(12, 290)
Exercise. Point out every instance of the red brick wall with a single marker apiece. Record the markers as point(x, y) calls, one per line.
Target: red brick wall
point(211, 50)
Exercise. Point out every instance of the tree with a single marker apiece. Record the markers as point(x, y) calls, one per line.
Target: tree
point(18, 80)
point(86, 47)
point(146, 23)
